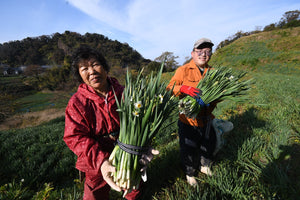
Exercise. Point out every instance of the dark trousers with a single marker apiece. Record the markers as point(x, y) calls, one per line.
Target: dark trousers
point(197, 145)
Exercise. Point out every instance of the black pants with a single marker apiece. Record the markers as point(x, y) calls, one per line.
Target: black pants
point(196, 146)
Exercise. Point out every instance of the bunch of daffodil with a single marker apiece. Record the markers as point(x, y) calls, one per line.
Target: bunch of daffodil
point(143, 108)
point(217, 85)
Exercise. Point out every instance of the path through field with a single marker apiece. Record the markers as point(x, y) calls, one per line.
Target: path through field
point(30, 119)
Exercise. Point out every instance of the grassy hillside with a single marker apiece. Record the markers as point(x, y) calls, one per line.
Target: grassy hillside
point(260, 159)
point(274, 51)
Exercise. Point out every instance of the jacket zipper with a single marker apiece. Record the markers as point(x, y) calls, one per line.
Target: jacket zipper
point(106, 103)
point(107, 110)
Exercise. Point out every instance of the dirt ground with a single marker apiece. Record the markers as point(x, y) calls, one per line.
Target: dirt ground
point(31, 119)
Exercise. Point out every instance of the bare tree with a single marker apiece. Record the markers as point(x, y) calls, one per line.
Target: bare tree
point(170, 60)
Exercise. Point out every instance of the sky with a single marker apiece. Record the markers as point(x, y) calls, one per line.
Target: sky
point(151, 27)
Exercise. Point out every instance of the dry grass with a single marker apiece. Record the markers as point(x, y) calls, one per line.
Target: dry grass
point(31, 119)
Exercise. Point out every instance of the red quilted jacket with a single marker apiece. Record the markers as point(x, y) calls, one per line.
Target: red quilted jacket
point(88, 120)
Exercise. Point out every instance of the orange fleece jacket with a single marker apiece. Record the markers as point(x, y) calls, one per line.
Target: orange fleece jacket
point(190, 75)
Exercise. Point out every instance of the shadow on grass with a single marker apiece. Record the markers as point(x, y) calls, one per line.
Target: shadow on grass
point(278, 179)
point(282, 176)
point(166, 169)
point(243, 129)
point(163, 172)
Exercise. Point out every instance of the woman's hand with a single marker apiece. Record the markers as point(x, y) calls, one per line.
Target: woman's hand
point(145, 160)
point(106, 170)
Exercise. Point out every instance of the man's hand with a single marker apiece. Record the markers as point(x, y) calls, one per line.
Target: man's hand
point(145, 160)
point(106, 170)
point(201, 102)
point(191, 91)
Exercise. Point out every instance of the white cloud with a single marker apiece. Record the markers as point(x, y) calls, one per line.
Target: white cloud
point(157, 26)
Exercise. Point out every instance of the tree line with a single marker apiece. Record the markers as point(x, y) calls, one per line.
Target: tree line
point(56, 51)
point(288, 20)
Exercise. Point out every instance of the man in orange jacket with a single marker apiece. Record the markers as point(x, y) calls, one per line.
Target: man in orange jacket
point(197, 138)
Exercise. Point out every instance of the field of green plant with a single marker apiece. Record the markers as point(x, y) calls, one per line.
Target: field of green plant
point(260, 159)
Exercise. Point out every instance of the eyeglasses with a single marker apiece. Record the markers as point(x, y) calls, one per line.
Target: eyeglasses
point(199, 52)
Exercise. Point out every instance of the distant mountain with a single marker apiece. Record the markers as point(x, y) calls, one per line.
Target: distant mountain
point(277, 50)
point(57, 48)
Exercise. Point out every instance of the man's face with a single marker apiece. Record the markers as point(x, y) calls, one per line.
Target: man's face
point(92, 73)
point(201, 56)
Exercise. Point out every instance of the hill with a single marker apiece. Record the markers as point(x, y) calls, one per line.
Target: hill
point(272, 51)
point(57, 48)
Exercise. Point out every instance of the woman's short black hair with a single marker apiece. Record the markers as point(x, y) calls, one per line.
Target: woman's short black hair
point(84, 53)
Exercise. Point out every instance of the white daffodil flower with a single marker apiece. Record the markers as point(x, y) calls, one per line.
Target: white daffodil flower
point(161, 98)
point(135, 113)
point(138, 105)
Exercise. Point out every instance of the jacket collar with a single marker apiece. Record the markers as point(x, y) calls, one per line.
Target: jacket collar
point(192, 65)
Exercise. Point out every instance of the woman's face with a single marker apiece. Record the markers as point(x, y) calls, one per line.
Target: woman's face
point(93, 74)
point(201, 56)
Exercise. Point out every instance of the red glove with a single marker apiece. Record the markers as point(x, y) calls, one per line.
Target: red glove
point(193, 92)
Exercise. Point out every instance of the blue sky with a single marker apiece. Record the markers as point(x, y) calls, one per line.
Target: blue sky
point(149, 26)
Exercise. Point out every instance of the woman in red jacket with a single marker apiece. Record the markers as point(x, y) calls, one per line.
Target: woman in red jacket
point(92, 123)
